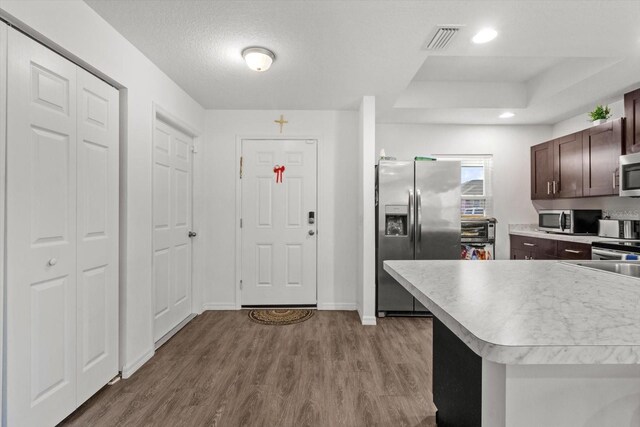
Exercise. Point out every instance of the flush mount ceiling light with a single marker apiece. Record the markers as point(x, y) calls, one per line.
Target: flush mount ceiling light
point(485, 35)
point(506, 115)
point(258, 58)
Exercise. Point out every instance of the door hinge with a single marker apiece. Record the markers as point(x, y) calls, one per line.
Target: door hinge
point(240, 284)
point(241, 167)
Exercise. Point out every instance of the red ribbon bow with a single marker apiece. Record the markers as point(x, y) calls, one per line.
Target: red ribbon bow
point(279, 170)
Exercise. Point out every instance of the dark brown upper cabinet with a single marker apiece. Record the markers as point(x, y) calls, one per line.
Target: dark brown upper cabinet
point(632, 113)
point(602, 147)
point(541, 171)
point(556, 168)
point(567, 166)
point(578, 165)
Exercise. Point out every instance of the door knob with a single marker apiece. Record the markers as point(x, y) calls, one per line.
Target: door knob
point(52, 262)
point(311, 232)
point(192, 234)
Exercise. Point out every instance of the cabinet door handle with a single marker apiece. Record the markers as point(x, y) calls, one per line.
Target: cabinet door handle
point(573, 251)
point(548, 187)
point(528, 244)
point(613, 174)
point(554, 186)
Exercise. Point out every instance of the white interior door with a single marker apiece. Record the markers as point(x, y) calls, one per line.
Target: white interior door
point(278, 240)
point(41, 235)
point(171, 226)
point(62, 234)
point(97, 234)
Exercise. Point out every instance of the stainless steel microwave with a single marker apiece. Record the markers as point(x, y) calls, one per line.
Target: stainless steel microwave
point(569, 221)
point(630, 175)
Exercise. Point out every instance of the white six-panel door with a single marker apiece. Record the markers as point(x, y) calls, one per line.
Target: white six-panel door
point(171, 226)
point(62, 198)
point(278, 241)
point(97, 228)
point(41, 234)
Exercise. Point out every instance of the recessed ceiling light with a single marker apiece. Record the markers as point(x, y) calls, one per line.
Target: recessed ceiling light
point(506, 115)
point(258, 58)
point(485, 35)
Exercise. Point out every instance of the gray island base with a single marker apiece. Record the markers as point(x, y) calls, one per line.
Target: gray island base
point(524, 344)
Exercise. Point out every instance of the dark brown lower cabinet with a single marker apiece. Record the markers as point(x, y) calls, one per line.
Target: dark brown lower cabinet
point(548, 249)
point(520, 254)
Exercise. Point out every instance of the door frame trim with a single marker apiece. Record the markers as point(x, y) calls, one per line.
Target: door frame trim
point(238, 214)
point(4, 63)
point(163, 115)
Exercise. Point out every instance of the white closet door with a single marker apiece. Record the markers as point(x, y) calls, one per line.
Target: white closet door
point(171, 226)
point(41, 235)
point(97, 234)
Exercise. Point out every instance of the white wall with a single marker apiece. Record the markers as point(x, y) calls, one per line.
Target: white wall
point(614, 206)
point(581, 121)
point(84, 35)
point(337, 135)
point(366, 294)
point(509, 145)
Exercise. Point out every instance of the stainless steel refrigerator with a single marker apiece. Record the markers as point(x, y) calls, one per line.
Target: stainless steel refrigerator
point(417, 217)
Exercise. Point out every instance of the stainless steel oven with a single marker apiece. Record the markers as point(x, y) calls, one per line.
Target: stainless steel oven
point(569, 221)
point(615, 250)
point(630, 175)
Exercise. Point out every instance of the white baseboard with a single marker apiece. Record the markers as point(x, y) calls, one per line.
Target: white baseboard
point(366, 320)
point(227, 306)
point(345, 306)
point(342, 306)
point(166, 337)
point(129, 369)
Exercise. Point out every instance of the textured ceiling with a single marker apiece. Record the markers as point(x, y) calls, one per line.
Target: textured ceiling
point(482, 68)
point(331, 53)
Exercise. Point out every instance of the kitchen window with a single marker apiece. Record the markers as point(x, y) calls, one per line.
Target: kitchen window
point(475, 192)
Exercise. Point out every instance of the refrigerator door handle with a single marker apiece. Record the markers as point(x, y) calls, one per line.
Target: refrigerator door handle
point(410, 213)
point(418, 215)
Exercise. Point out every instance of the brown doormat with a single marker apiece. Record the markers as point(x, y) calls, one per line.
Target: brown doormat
point(280, 316)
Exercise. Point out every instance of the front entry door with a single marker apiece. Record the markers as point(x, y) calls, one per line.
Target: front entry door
point(278, 222)
point(171, 226)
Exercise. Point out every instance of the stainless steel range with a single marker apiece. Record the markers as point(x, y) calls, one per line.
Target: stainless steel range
point(616, 250)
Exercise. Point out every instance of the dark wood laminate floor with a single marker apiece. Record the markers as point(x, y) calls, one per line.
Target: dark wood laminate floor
point(224, 370)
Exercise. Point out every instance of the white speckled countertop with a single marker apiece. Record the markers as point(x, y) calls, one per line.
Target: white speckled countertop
point(523, 312)
point(531, 230)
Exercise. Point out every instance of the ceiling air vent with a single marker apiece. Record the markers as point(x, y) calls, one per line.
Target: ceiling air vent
point(442, 37)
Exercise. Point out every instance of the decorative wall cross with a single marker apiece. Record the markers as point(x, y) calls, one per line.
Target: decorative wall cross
point(281, 122)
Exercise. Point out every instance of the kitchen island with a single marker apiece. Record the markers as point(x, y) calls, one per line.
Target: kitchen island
point(521, 343)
